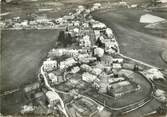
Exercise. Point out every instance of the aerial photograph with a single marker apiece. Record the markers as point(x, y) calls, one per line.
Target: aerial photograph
point(83, 58)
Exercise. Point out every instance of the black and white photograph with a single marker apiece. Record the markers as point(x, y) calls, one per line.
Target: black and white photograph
point(83, 58)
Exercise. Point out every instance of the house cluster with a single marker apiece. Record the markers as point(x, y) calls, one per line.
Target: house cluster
point(95, 62)
point(104, 37)
point(161, 95)
point(96, 6)
point(95, 57)
point(36, 22)
point(43, 22)
point(153, 74)
point(106, 81)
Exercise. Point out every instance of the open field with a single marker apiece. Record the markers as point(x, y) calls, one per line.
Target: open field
point(135, 41)
point(12, 103)
point(22, 52)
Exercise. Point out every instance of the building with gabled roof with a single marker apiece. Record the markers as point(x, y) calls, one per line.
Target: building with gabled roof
point(67, 63)
point(49, 65)
point(121, 88)
point(87, 77)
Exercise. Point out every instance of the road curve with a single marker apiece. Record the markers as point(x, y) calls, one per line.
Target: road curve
point(62, 108)
point(130, 107)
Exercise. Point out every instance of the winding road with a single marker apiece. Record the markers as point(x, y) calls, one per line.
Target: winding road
point(62, 107)
point(131, 35)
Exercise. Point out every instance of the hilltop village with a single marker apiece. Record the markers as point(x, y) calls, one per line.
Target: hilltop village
point(86, 74)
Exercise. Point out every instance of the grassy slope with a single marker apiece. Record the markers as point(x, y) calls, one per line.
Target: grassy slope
point(22, 52)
